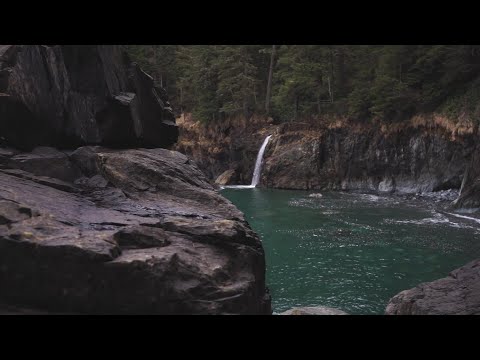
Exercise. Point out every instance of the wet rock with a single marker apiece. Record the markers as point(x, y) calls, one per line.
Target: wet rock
point(150, 236)
point(456, 294)
point(315, 310)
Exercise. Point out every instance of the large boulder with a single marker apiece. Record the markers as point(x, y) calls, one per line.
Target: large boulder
point(67, 95)
point(146, 234)
point(456, 294)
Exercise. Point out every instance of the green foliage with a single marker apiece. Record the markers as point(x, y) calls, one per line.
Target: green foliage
point(390, 82)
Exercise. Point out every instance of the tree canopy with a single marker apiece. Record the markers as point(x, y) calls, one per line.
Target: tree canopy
point(390, 82)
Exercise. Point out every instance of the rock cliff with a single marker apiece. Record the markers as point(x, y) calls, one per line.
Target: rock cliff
point(427, 153)
point(418, 156)
point(66, 95)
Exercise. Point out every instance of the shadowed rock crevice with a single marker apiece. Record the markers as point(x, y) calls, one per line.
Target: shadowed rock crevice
point(68, 95)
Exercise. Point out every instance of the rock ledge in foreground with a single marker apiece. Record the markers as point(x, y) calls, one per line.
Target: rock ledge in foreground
point(456, 294)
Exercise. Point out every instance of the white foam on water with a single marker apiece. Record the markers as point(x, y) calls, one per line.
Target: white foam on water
point(466, 217)
point(237, 187)
point(467, 210)
point(437, 219)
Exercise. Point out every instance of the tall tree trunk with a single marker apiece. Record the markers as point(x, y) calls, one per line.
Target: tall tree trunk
point(269, 83)
point(318, 104)
point(181, 99)
point(330, 89)
point(331, 73)
point(340, 72)
point(155, 62)
point(245, 91)
point(296, 108)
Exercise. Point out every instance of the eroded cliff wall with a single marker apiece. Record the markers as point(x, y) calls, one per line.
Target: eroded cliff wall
point(426, 153)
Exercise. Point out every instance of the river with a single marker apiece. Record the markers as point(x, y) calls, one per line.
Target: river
point(353, 251)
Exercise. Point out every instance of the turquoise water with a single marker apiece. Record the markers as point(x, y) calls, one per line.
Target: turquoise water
point(352, 251)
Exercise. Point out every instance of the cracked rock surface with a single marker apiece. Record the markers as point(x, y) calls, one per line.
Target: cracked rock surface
point(123, 231)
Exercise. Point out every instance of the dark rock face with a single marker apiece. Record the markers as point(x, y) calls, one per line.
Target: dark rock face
point(139, 231)
point(470, 189)
point(411, 160)
point(457, 294)
point(421, 155)
point(67, 95)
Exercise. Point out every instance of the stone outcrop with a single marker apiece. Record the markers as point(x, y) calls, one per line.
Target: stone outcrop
point(69, 95)
point(226, 178)
point(314, 310)
point(138, 231)
point(457, 294)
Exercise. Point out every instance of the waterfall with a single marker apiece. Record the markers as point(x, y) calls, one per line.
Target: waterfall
point(258, 163)
point(258, 169)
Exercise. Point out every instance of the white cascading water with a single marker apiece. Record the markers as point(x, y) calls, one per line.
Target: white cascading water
point(259, 162)
point(258, 169)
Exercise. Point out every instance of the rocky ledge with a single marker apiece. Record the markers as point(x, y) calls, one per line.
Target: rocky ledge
point(135, 231)
point(456, 294)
